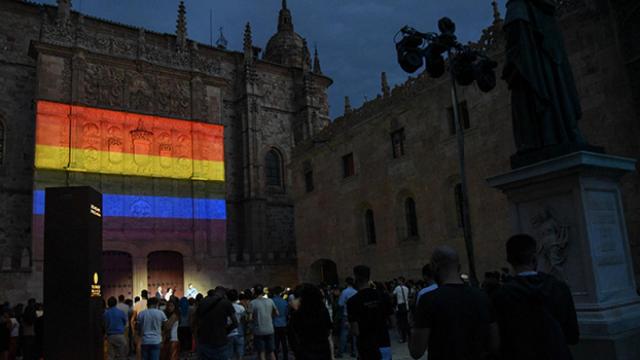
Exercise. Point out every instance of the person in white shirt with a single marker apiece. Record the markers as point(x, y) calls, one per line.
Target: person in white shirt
point(169, 294)
point(401, 293)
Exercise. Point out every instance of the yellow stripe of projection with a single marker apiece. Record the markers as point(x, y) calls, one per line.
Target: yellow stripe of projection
point(104, 162)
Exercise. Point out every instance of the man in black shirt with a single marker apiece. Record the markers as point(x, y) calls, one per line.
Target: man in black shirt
point(369, 311)
point(453, 321)
point(215, 318)
point(535, 311)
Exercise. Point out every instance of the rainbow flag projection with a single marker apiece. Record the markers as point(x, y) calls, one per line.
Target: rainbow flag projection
point(84, 139)
point(155, 173)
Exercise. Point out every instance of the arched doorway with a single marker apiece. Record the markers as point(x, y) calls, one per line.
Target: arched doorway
point(324, 271)
point(165, 268)
point(117, 278)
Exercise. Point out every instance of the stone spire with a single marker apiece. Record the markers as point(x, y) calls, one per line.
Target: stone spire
point(496, 12)
point(386, 91)
point(64, 10)
point(222, 41)
point(181, 26)
point(347, 105)
point(285, 20)
point(316, 62)
point(248, 44)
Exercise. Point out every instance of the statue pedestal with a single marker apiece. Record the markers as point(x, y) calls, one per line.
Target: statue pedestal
point(572, 206)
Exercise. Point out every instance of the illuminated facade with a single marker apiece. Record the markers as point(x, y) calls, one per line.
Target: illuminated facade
point(173, 133)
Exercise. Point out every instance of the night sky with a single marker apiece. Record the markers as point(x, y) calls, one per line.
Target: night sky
point(354, 37)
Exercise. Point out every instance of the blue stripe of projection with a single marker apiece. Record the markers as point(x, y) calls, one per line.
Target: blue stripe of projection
point(163, 207)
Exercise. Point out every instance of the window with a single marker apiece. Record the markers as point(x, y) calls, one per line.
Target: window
point(459, 207)
point(370, 227)
point(1, 142)
point(348, 167)
point(307, 171)
point(308, 180)
point(397, 143)
point(463, 112)
point(411, 217)
point(273, 168)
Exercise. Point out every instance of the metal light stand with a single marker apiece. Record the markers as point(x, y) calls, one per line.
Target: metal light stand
point(466, 219)
point(411, 55)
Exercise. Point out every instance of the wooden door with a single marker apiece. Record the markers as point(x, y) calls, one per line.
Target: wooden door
point(165, 268)
point(117, 278)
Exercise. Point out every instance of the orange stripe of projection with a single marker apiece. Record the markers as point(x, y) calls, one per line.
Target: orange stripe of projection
point(123, 132)
point(103, 162)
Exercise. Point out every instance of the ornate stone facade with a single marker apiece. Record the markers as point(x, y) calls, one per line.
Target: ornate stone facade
point(58, 55)
point(330, 212)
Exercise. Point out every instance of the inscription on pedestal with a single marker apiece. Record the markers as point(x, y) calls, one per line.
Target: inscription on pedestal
point(603, 218)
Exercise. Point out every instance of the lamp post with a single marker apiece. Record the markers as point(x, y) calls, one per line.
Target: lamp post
point(465, 65)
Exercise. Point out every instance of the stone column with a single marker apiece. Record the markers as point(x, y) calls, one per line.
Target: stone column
point(140, 280)
point(572, 206)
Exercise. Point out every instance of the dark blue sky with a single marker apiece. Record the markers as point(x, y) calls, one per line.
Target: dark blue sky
point(354, 37)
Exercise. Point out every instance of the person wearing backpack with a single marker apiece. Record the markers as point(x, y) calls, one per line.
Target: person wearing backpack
point(401, 296)
point(534, 311)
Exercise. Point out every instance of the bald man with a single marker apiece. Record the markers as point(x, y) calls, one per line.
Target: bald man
point(454, 321)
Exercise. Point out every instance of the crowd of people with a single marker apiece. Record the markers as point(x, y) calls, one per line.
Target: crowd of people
point(519, 314)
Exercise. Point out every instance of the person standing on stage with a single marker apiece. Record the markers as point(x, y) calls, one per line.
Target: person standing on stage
point(191, 292)
point(159, 294)
point(169, 294)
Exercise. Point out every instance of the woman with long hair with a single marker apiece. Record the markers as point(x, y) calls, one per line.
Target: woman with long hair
point(184, 327)
point(170, 345)
point(310, 325)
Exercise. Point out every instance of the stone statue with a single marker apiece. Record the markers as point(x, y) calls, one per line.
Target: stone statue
point(544, 99)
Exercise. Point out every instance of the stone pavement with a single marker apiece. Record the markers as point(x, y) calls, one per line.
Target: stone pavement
point(399, 352)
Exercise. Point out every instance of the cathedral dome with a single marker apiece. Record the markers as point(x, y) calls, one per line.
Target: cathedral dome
point(287, 47)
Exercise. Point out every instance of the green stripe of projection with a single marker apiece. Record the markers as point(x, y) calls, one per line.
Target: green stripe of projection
point(131, 185)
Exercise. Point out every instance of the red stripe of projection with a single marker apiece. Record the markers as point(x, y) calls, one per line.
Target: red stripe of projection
point(117, 131)
point(148, 229)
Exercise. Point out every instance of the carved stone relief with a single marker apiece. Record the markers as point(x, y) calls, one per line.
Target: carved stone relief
point(140, 89)
point(553, 242)
point(173, 97)
point(104, 85)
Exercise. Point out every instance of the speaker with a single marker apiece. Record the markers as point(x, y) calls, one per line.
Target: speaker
point(72, 272)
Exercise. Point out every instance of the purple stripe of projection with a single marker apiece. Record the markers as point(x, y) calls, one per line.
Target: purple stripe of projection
point(163, 207)
point(151, 229)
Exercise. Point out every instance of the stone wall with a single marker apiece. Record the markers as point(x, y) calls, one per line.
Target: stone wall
point(330, 219)
point(88, 61)
point(17, 91)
